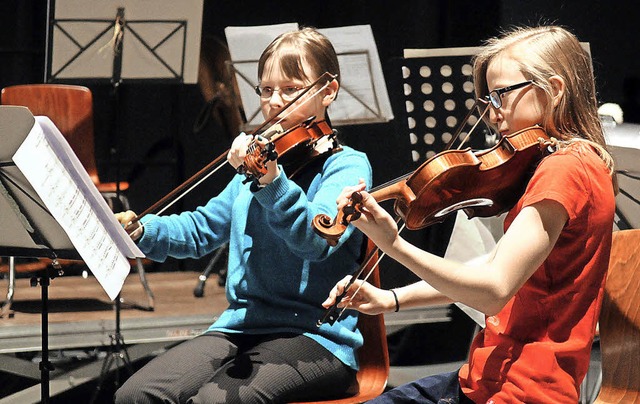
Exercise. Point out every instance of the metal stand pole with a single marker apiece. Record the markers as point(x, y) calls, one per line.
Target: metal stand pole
point(117, 354)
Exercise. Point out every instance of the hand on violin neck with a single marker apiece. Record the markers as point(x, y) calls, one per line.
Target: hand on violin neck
point(375, 222)
point(238, 150)
point(345, 196)
point(254, 157)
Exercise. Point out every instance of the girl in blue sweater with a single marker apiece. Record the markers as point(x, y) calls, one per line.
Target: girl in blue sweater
point(266, 347)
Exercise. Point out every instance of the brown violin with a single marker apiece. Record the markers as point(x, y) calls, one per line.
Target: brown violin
point(482, 183)
point(292, 147)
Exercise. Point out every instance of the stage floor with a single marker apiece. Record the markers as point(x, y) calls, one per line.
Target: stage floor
point(81, 316)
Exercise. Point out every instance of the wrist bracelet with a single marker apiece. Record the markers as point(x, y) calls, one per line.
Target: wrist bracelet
point(396, 299)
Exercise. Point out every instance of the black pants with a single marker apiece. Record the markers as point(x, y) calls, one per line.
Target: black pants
point(239, 368)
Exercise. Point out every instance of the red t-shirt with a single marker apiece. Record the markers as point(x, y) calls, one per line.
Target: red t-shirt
point(537, 349)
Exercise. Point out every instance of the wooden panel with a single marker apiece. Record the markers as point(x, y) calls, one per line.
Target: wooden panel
point(620, 322)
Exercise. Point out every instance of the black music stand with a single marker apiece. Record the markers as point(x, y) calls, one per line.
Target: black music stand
point(438, 93)
point(29, 230)
point(155, 50)
point(138, 48)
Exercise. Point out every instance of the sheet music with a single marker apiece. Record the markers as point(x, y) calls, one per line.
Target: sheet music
point(363, 96)
point(362, 78)
point(55, 173)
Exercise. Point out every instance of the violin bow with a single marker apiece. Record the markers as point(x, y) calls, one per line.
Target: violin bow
point(332, 314)
point(466, 118)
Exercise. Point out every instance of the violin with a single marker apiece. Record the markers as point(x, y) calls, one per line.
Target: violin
point(483, 184)
point(292, 147)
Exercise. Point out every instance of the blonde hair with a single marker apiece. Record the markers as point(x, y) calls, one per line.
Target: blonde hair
point(553, 51)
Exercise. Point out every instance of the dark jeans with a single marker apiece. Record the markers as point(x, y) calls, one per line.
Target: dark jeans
point(238, 368)
point(438, 389)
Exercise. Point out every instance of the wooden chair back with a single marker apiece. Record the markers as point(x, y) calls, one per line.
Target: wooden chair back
point(69, 107)
point(373, 356)
point(620, 322)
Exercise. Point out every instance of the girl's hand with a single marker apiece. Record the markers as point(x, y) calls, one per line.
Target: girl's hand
point(238, 153)
point(134, 230)
point(238, 150)
point(369, 299)
point(374, 221)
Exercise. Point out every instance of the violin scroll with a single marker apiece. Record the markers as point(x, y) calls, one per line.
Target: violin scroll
point(331, 230)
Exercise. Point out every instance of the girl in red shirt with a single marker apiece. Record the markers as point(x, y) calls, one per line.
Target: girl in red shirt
point(542, 286)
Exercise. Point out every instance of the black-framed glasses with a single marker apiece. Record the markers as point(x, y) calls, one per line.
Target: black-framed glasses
point(287, 93)
point(495, 96)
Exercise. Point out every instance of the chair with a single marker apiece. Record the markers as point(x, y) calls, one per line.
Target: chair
point(373, 356)
point(70, 108)
point(620, 322)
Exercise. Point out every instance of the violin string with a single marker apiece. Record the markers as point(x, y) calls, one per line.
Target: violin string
point(475, 125)
point(393, 181)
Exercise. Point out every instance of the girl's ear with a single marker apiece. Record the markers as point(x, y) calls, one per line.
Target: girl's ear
point(330, 93)
point(557, 89)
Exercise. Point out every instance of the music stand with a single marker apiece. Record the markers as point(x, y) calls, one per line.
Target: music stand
point(123, 41)
point(51, 208)
point(29, 229)
point(438, 93)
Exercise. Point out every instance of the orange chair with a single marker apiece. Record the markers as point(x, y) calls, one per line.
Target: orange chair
point(70, 108)
point(620, 322)
point(373, 356)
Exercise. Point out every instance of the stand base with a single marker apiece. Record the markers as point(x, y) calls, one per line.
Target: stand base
point(118, 355)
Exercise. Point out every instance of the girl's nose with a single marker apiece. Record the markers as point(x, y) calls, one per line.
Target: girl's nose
point(276, 100)
point(495, 115)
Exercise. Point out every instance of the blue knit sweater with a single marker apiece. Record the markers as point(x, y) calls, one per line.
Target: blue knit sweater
point(279, 269)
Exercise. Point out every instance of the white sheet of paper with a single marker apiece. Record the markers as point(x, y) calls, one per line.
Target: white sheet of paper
point(471, 242)
point(363, 95)
point(55, 173)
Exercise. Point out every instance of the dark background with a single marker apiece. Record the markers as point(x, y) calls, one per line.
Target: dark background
point(152, 143)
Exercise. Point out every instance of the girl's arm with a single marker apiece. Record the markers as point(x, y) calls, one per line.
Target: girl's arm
point(489, 286)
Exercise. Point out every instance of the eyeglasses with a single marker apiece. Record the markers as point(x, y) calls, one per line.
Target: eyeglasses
point(287, 93)
point(495, 96)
